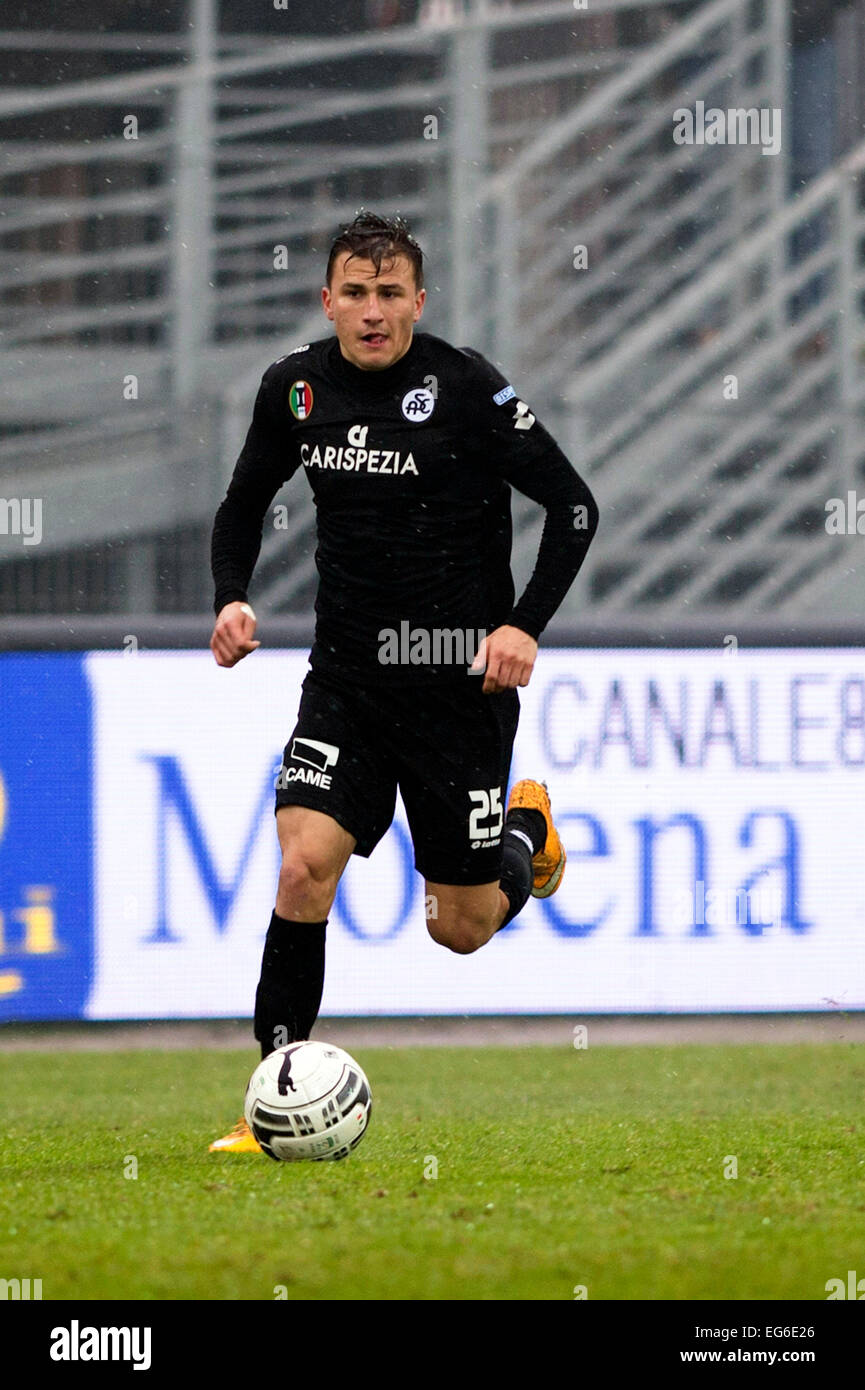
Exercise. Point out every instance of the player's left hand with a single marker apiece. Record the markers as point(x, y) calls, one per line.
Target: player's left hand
point(506, 657)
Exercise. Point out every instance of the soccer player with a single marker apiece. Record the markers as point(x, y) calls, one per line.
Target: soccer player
point(411, 447)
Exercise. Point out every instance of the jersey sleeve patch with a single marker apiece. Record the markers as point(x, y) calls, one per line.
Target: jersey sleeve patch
point(303, 348)
point(523, 418)
point(506, 394)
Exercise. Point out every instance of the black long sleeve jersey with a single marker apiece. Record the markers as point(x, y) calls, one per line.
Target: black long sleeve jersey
point(411, 468)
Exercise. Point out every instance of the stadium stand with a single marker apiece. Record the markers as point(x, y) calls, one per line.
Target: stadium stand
point(686, 317)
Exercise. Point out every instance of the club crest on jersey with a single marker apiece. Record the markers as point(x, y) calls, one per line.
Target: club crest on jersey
point(300, 399)
point(418, 404)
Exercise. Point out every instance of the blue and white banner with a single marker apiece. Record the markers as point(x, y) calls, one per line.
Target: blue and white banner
point(46, 837)
point(711, 805)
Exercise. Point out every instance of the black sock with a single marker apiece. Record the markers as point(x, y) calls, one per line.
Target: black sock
point(517, 872)
point(532, 822)
point(292, 980)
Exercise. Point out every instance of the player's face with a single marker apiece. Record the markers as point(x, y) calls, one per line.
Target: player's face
point(373, 313)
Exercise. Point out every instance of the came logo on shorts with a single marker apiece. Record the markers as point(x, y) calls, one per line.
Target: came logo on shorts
point(316, 758)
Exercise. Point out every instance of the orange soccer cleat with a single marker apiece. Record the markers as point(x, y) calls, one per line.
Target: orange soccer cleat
point(549, 862)
point(241, 1140)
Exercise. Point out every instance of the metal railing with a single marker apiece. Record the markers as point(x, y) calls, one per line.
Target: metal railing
point(619, 277)
point(711, 361)
point(163, 231)
point(609, 177)
point(750, 432)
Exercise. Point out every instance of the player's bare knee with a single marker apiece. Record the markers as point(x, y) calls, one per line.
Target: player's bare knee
point(462, 935)
point(306, 882)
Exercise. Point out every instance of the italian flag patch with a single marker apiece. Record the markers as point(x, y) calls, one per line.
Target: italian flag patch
point(300, 399)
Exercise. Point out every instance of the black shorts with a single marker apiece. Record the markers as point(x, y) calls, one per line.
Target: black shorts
point(446, 746)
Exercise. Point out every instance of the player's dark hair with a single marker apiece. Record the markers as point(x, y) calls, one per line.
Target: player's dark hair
point(378, 239)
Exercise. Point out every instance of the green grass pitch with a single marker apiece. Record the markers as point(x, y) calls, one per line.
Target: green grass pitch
point(554, 1168)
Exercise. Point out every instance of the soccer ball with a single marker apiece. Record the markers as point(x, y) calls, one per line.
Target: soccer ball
point(308, 1100)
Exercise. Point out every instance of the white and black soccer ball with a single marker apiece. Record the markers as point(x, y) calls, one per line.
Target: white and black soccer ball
point(308, 1100)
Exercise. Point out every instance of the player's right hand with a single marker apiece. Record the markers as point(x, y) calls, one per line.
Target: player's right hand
point(233, 633)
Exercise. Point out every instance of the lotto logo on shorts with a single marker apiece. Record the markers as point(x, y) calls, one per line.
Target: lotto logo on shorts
point(316, 756)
